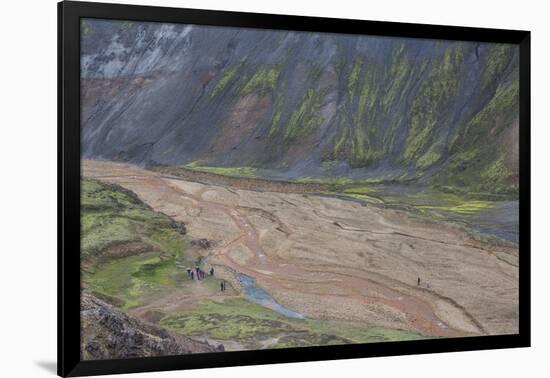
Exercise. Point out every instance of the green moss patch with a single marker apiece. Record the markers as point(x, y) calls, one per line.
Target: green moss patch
point(231, 319)
point(133, 280)
point(360, 333)
point(264, 80)
point(244, 172)
point(248, 323)
point(353, 77)
point(225, 79)
point(305, 118)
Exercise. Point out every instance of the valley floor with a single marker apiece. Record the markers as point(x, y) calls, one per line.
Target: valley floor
point(337, 267)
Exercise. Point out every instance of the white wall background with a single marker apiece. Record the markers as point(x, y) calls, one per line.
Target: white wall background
point(28, 160)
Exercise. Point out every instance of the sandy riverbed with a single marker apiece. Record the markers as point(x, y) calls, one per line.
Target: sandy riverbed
point(329, 258)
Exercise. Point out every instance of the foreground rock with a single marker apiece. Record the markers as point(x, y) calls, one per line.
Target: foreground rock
point(108, 333)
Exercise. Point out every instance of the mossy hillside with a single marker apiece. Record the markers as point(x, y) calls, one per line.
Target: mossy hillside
point(305, 118)
point(375, 97)
point(114, 218)
point(135, 279)
point(374, 90)
point(500, 112)
point(478, 154)
point(476, 151)
point(431, 156)
point(244, 321)
point(429, 111)
point(111, 215)
point(496, 172)
point(497, 58)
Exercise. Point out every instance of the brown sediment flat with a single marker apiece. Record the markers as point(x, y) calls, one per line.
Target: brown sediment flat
point(329, 258)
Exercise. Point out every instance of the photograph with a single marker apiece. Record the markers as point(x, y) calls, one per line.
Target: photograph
point(245, 189)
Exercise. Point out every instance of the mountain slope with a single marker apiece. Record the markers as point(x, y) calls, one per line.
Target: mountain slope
point(294, 104)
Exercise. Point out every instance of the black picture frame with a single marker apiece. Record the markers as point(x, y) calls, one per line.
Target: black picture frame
point(69, 14)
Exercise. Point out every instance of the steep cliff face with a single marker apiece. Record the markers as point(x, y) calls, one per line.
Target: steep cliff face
point(296, 104)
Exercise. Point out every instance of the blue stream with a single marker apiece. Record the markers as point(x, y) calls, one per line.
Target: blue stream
point(259, 296)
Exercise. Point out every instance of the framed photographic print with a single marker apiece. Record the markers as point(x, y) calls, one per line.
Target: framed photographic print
point(240, 188)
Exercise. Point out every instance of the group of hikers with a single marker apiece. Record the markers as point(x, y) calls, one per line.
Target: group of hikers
point(201, 275)
point(198, 272)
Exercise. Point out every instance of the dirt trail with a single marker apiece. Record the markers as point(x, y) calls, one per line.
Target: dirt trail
point(178, 300)
point(334, 259)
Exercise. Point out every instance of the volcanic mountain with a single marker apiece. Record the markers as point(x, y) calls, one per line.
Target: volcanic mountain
point(301, 105)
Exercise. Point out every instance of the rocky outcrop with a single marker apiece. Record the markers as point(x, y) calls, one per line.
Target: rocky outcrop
point(202, 243)
point(108, 333)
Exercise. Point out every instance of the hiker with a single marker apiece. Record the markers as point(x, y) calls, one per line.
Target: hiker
point(418, 281)
point(221, 286)
point(192, 275)
point(211, 271)
point(188, 272)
